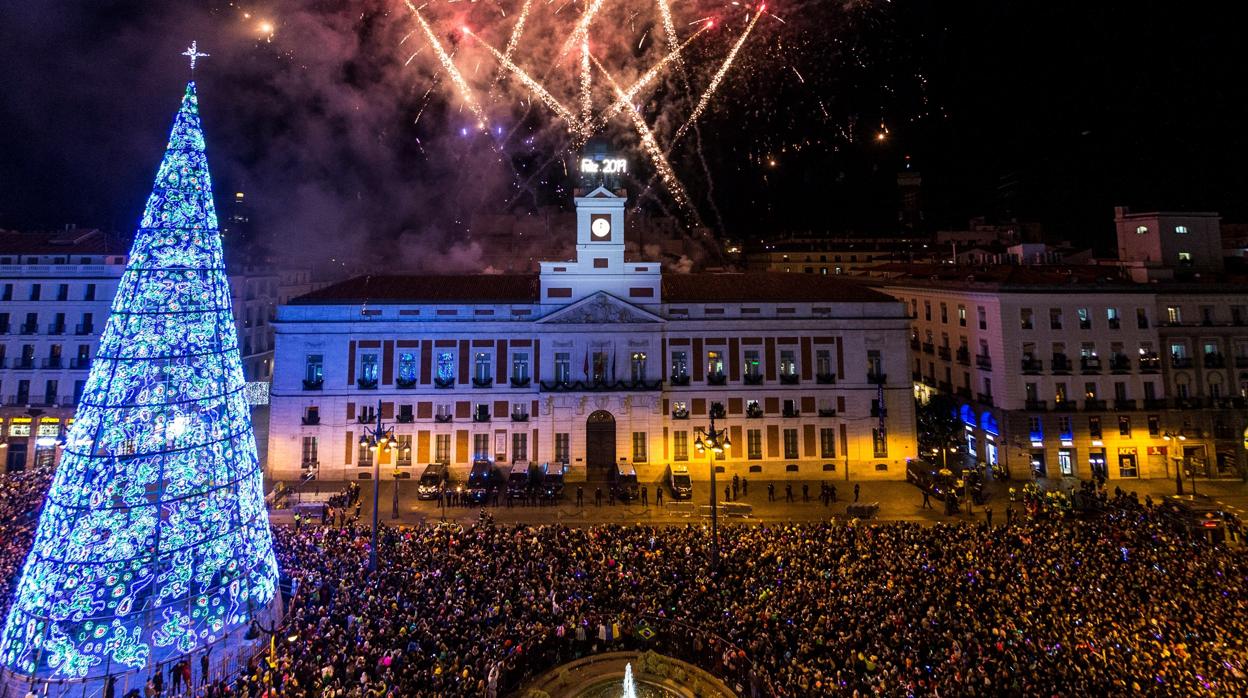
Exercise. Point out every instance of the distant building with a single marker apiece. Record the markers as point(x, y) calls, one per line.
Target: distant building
point(594, 361)
point(1186, 243)
point(55, 292)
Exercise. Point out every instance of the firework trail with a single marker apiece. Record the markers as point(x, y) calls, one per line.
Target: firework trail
point(528, 81)
point(587, 100)
point(516, 31)
point(582, 27)
point(625, 99)
point(718, 78)
point(673, 44)
point(651, 146)
point(449, 65)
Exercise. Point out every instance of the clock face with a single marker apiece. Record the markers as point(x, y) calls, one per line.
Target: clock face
point(600, 228)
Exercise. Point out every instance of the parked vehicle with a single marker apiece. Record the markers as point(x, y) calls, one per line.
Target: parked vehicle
point(482, 480)
point(432, 481)
point(678, 480)
point(522, 480)
point(624, 482)
point(552, 480)
point(1194, 515)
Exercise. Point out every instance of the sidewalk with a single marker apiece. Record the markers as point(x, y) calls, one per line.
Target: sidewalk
point(898, 501)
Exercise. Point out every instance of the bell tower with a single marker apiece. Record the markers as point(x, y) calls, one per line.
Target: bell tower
point(599, 263)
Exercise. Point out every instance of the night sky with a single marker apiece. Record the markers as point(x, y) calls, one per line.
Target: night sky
point(1050, 112)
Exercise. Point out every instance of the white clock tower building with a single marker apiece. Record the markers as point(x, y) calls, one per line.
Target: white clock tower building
point(599, 265)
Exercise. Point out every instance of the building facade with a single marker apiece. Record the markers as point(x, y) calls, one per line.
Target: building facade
point(593, 362)
point(1065, 374)
point(55, 293)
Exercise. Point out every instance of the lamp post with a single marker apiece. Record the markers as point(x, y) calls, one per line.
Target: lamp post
point(381, 440)
point(1178, 463)
point(713, 442)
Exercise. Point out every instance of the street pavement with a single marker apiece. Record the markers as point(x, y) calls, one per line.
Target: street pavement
point(898, 501)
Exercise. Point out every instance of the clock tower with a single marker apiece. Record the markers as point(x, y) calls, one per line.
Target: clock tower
point(599, 263)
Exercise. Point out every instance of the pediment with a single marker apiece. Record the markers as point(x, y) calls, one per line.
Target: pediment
point(601, 192)
point(600, 308)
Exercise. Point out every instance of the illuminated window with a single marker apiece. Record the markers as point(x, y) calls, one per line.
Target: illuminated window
point(1141, 229)
point(1180, 229)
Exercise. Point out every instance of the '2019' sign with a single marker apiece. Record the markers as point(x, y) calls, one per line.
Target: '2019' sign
point(604, 166)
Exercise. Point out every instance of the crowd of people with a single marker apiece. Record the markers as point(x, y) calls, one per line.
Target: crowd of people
point(1119, 605)
point(1115, 605)
point(21, 493)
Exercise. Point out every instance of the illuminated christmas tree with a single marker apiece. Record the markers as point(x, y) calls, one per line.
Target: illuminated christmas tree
point(154, 541)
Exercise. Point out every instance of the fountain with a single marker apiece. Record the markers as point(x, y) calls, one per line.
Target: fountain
point(630, 686)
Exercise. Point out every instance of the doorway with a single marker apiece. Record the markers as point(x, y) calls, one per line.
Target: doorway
point(599, 445)
point(15, 460)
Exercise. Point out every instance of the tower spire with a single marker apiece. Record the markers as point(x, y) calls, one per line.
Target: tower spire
point(154, 541)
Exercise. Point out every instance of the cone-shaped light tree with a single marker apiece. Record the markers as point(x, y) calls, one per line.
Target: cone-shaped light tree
point(154, 540)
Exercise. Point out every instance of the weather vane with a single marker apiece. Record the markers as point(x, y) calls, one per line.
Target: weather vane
point(194, 53)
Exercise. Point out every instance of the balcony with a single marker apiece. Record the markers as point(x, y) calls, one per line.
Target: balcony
point(1188, 403)
point(28, 328)
point(1060, 364)
point(405, 418)
point(984, 398)
point(915, 376)
point(518, 382)
point(367, 416)
point(1085, 324)
point(827, 412)
point(1180, 362)
point(825, 378)
point(1089, 364)
point(1214, 360)
point(56, 328)
point(1150, 363)
point(310, 420)
point(682, 413)
point(791, 413)
point(18, 400)
point(481, 416)
point(599, 386)
point(79, 363)
point(443, 383)
point(754, 412)
point(405, 383)
point(313, 384)
point(1119, 363)
point(87, 328)
point(519, 416)
point(790, 379)
point(367, 383)
point(929, 348)
point(1032, 366)
point(1241, 362)
point(983, 361)
point(1094, 405)
point(479, 382)
point(914, 343)
point(752, 379)
point(963, 392)
point(877, 378)
point(1154, 404)
point(963, 356)
point(945, 387)
point(718, 411)
point(945, 353)
point(53, 362)
point(719, 378)
point(1064, 406)
point(679, 379)
point(1124, 405)
point(444, 418)
point(23, 364)
point(1114, 323)
point(1037, 405)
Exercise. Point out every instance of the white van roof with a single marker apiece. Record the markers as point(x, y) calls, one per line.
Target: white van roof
point(680, 470)
point(520, 466)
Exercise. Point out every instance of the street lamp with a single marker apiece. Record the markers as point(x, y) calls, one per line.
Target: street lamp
point(713, 442)
point(1178, 464)
point(379, 439)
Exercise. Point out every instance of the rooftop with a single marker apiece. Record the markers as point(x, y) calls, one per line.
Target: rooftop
point(524, 288)
point(71, 241)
